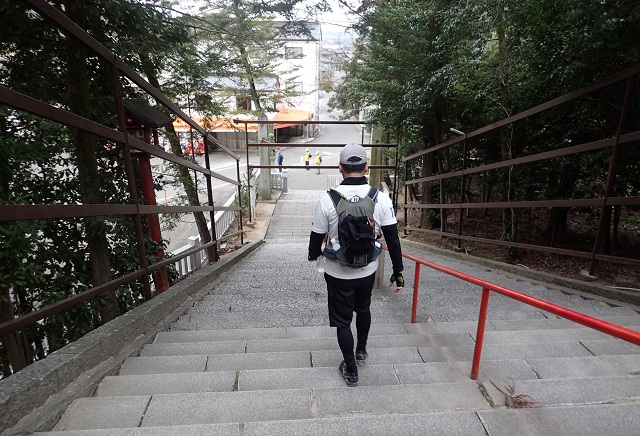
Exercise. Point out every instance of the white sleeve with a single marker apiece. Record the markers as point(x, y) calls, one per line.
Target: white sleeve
point(320, 223)
point(384, 214)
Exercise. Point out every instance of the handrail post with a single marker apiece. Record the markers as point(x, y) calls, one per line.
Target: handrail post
point(482, 320)
point(416, 285)
point(406, 191)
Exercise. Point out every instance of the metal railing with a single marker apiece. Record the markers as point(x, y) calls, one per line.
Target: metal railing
point(487, 287)
point(135, 208)
point(460, 152)
point(372, 165)
point(222, 221)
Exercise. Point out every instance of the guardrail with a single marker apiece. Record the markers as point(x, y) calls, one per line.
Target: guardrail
point(470, 168)
point(586, 320)
point(86, 207)
point(223, 220)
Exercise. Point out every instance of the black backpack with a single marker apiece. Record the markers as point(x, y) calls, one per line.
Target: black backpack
point(356, 230)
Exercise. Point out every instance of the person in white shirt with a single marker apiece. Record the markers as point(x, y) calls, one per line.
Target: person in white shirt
point(349, 289)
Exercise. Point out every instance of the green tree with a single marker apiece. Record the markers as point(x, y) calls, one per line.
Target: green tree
point(428, 64)
point(46, 261)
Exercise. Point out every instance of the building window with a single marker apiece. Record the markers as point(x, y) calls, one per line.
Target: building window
point(293, 52)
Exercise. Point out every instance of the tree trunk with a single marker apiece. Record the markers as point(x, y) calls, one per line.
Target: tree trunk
point(606, 245)
point(487, 191)
point(85, 151)
point(509, 224)
point(442, 166)
point(427, 218)
point(191, 192)
point(183, 172)
point(616, 224)
point(557, 225)
point(18, 355)
point(443, 212)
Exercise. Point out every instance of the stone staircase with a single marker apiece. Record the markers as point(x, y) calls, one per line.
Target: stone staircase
point(255, 357)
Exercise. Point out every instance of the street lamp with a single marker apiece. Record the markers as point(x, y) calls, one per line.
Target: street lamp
point(462, 182)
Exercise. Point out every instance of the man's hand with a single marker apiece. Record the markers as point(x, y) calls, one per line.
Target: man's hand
point(398, 280)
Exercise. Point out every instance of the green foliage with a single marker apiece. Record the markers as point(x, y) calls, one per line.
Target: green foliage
point(244, 194)
point(46, 261)
point(422, 67)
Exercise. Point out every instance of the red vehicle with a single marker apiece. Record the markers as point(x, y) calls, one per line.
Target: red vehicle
point(198, 148)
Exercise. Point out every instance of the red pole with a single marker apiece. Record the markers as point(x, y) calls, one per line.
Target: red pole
point(416, 284)
point(482, 320)
point(148, 191)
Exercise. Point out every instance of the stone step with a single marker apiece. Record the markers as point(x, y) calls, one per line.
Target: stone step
point(610, 346)
point(586, 420)
point(517, 312)
point(589, 420)
point(327, 342)
point(269, 405)
point(239, 320)
point(175, 383)
point(538, 329)
point(232, 429)
point(276, 303)
point(541, 323)
point(580, 367)
point(512, 320)
point(306, 377)
point(420, 335)
point(270, 333)
point(287, 370)
point(219, 360)
point(300, 289)
point(559, 323)
point(554, 392)
point(440, 423)
point(543, 336)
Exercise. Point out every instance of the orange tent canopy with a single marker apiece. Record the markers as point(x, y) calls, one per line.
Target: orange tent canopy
point(283, 115)
point(281, 119)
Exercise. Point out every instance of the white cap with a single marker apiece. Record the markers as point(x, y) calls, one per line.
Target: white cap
point(353, 154)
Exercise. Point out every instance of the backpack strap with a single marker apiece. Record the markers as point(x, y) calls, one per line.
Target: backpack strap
point(373, 194)
point(335, 195)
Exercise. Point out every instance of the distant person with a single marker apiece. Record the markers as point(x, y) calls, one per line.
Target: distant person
point(280, 160)
point(350, 275)
point(318, 161)
point(307, 158)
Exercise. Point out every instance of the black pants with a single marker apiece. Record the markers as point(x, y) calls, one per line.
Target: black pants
point(344, 298)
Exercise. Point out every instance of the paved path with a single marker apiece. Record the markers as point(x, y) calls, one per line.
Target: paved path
point(292, 216)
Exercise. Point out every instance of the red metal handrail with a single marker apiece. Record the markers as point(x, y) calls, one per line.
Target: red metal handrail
point(586, 320)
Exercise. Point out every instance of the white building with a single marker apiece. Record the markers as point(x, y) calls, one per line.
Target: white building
point(300, 69)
